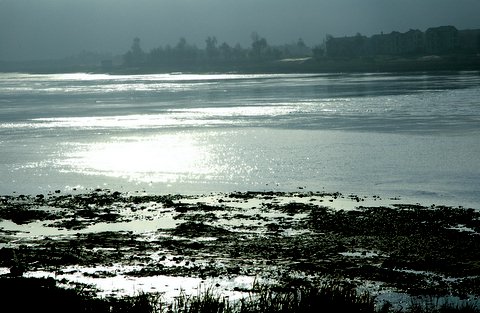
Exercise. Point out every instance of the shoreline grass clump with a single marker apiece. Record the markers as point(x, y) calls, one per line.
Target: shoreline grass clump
point(328, 297)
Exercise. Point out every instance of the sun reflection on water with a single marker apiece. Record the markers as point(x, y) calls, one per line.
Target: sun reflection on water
point(159, 158)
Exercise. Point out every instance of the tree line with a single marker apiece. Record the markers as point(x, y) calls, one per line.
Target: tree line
point(184, 54)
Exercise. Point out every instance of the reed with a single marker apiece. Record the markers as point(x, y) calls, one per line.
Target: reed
point(20, 294)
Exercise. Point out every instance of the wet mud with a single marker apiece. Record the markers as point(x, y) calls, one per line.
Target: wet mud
point(286, 238)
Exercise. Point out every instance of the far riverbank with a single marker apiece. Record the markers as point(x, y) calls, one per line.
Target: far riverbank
point(378, 64)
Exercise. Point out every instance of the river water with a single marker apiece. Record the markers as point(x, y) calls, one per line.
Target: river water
point(414, 136)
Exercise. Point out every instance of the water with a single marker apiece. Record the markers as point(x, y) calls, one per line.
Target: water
point(413, 136)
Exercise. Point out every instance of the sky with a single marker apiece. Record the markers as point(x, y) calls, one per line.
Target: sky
point(49, 29)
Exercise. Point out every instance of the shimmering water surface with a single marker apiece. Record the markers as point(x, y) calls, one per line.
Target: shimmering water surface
point(414, 136)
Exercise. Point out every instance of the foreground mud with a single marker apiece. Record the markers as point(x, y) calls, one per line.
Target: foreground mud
point(165, 243)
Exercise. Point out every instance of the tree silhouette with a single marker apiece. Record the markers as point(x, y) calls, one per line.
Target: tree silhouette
point(135, 56)
point(259, 45)
point(211, 48)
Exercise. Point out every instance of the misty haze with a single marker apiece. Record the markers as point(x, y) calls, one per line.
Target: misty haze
point(239, 156)
point(46, 29)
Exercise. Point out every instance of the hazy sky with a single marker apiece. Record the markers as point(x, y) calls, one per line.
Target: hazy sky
point(56, 28)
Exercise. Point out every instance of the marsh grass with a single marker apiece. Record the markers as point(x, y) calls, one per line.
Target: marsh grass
point(206, 301)
point(331, 296)
point(435, 307)
point(18, 294)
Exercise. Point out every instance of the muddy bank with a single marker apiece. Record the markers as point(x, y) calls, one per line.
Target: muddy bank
point(164, 243)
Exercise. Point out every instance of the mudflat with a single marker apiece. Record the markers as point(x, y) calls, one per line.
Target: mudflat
point(122, 243)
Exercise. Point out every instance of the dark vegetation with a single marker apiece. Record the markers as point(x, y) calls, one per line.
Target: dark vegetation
point(42, 295)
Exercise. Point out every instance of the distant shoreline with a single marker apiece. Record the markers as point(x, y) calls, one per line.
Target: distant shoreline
point(433, 63)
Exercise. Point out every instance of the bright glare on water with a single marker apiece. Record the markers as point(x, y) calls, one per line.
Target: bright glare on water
point(414, 136)
point(150, 159)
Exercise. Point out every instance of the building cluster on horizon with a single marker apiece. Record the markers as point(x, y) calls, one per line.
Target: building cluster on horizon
point(435, 40)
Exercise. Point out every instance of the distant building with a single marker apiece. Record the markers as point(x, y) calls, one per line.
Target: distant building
point(436, 40)
point(347, 46)
point(440, 40)
point(411, 42)
point(469, 40)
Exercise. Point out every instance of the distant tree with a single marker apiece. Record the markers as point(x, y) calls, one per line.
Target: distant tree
point(301, 44)
point(182, 44)
point(259, 45)
point(183, 51)
point(238, 52)
point(225, 51)
point(135, 56)
point(157, 55)
point(136, 48)
point(297, 49)
point(211, 47)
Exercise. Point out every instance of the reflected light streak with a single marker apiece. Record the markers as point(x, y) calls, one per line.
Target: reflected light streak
point(128, 121)
point(171, 118)
point(164, 158)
